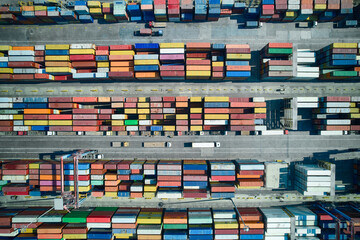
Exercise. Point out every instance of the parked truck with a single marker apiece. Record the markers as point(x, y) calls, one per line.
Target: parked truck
point(205, 144)
point(156, 144)
point(119, 144)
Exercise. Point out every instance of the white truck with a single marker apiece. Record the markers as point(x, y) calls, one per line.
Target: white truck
point(156, 144)
point(205, 144)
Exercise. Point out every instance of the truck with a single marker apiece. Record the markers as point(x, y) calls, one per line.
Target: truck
point(309, 24)
point(156, 144)
point(153, 24)
point(205, 144)
point(119, 144)
point(148, 32)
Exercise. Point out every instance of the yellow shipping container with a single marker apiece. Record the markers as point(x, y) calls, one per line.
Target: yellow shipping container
point(149, 194)
point(57, 46)
point(354, 110)
point(2, 54)
point(127, 52)
point(104, 99)
point(198, 73)
point(60, 122)
point(28, 230)
point(40, 8)
point(217, 64)
point(216, 99)
point(156, 122)
point(95, 11)
point(142, 99)
point(81, 188)
point(195, 128)
point(344, 45)
point(148, 219)
point(94, 4)
point(351, 115)
point(150, 188)
point(144, 117)
point(143, 111)
point(103, 64)
point(75, 236)
point(195, 110)
point(18, 117)
point(320, 7)
point(34, 166)
point(238, 56)
point(5, 48)
point(169, 116)
point(259, 110)
point(57, 58)
point(216, 116)
point(58, 69)
point(352, 104)
point(82, 51)
point(106, 5)
point(182, 116)
point(172, 45)
point(110, 194)
point(124, 235)
point(146, 62)
point(6, 70)
point(290, 14)
point(117, 122)
point(36, 122)
point(143, 105)
point(226, 225)
point(195, 99)
point(169, 128)
point(130, 111)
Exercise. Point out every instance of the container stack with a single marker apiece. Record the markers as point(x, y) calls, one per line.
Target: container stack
point(277, 175)
point(21, 63)
point(305, 222)
point(187, 10)
point(338, 61)
point(17, 174)
point(111, 179)
point(75, 230)
point(173, 10)
point(124, 223)
point(150, 186)
point(121, 62)
point(143, 109)
point(227, 7)
point(217, 61)
point(196, 110)
point(50, 178)
point(200, 224)
point(123, 177)
point(146, 61)
point(276, 61)
point(40, 59)
point(200, 10)
point(160, 10)
point(172, 58)
point(254, 221)
point(169, 113)
point(156, 116)
point(169, 179)
point(222, 179)
point(195, 179)
point(102, 59)
point(150, 224)
point(34, 177)
point(216, 113)
point(97, 172)
point(334, 115)
point(249, 174)
point(175, 224)
point(130, 122)
point(83, 177)
point(312, 180)
point(108, 10)
point(134, 12)
point(306, 10)
point(119, 12)
point(5, 71)
point(237, 61)
point(82, 57)
point(83, 12)
point(98, 220)
point(214, 10)
point(226, 225)
point(182, 111)
point(268, 10)
point(147, 10)
point(305, 69)
point(95, 9)
point(277, 223)
point(198, 62)
point(346, 7)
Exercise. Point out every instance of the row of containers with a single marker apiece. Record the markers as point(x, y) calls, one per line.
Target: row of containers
point(165, 179)
point(177, 62)
point(100, 114)
point(313, 222)
point(180, 11)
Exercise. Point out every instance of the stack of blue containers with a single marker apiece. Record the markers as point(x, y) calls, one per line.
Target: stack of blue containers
point(83, 11)
point(134, 12)
point(99, 233)
point(147, 9)
point(200, 224)
point(214, 10)
point(200, 10)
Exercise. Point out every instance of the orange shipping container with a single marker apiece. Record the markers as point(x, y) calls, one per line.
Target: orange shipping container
point(111, 176)
point(196, 122)
point(238, 68)
point(216, 110)
point(251, 183)
point(252, 224)
point(24, 48)
point(112, 183)
point(50, 177)
point(102, 52)
point(247, 176)
point(121, 63)
point(149, 237)
point(181, 104)
point(198, 68)
point(280, 45)
point(117, 105)
point(198, 45)
point(38, 111)
point(182, 99)
point(86, 128)
point(57, 64)
point(146, 74)
point(121, 69)
point(237, 46)
point(121, 57)
point(242, 122)
point(104, 99)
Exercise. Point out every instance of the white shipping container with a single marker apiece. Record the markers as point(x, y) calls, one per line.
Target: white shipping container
point(81, 183)
point(169, 173)
point(136, 188)
point(118, 116)
point(145, 122)
point(169, 110)
point(294, 6)
point(293, 1)
point(98, 225)
point(83, 45)
point(103, 70)
point(224, 214)
point(307, 69)
point(307, 99)
point(21, 59)
point(308, 105)
point(25, 70)
point(21, 128)
point(215, 122)
point(337, 121)
point(83, 75)
point(355, 99)
point(146, 57)
point(4, 59)
point(15, 177)
point(39, 47)
point(149, 229)
point(258, 99)
point(226, 236)
point(101, 75)
point(306, 11)
point(275, 215)
point(335, 104)
point(149, 172)
point(172, 50)
point(21, 53)
point(312, 169)
point(81, 8)
point(97, 177)
point(260, 128)
point(308, 230)
point(305, 60)
point(305, 54)
point(273, 132)
point(6, 100)
point(6, 117)
point(132, 128)
point(80, 172)
point(277, 231)
point(170, 194)
point(18, 123)
point(278, 225)
point(222, 166)
point(336, 110)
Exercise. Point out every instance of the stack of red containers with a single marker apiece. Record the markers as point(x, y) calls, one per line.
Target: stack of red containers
point(174, 10)
point(61, 103)
point(111, 179)
point(97, 176)
point(253, 219)
point(85, 119)
point(50, 231)
point(120, 58)
point(34, 175)
point(17, 173)
point(50, 178)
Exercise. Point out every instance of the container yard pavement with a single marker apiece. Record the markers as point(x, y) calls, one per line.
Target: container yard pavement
point(226, 30)
point(287, 147)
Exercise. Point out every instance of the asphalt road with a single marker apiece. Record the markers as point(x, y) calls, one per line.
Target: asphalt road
point(287, 147)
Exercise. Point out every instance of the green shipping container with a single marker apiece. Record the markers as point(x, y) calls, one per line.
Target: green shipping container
point(106, 209)
point(10, 111)
point(175, 226)
point(97, 182)
point(285, 51)
point(131, 122)
point(76, 217)
point(344, 74)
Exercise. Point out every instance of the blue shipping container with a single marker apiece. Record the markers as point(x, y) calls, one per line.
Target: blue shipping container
point(146, 45)
point(216, 104)
point(40, 128)
point(237, 74)
point(123, 194)
point(237, 63)
point(56, 52)
point(35, 99)
point(201, 237)
point(145, 68)
point(156, 128)
point(223, 173)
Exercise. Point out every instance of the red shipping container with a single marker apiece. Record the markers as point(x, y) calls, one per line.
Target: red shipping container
point(252, 231)
point(85, 111)
point(88, 64)
point(6, 129)
point(63, 105)
point(182, 122)
point(242, 128)
point(195, 172)
point(61, 78)
point(355, 127)
point(169, 99)
point(6, 123)
point(102, 47)
point(155, 99)
point(59, 99)
point(198, 62)
point(196, 122)
point(118, 128)
point(260, 115)
point(121, 74)
point(35, 117)
point(5, 76)
point(196, 116)
point(182, 128)
point(337, 99)
point(216, 110)
point(172, 68)
point(23, 76)
point(168, 183)
point(198, 45)
point(226, 231)
point(169, 104)
point(238, 50)
point(84, 99)
point(121, 57)
point(60, 117)
point(242, 116)
point(196, 55)
point(121, 47)
point(157, 116)
point(195, 193)
point(102, 52)
point(132, 99)
point(168, 178)
point(104, 116)
point(86, 57)
point(218, 69)
point(172, 73)
point(86, 128)
point(222, 188)
point(182, 99)
point(218, 74)
point(280, 45)
point(23, 65)
point(124, 177)
point(130, 105)
point(17, 193)
point(85, 116)
point(80, 177)
point(124, 164)
point(117, 99)
point(235, 99)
